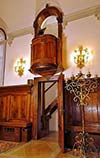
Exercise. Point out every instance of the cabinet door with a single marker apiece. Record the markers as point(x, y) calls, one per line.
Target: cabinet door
point(61, 112)
point(4, 107)
point(19, 106)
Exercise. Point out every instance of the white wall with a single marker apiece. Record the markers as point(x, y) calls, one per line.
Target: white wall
point(50, 95)
point(20, 48)
point(85, 32)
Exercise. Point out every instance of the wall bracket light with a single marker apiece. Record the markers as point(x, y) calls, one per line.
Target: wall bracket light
point(20, 66)
point(81, 56)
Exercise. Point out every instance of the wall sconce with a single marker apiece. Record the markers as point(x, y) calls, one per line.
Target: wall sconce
point(82, 56)
point(20, 66)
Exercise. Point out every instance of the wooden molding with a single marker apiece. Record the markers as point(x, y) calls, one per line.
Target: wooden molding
point(3, 25)
point(95, 10)
point(18, 33)
point(98, 15)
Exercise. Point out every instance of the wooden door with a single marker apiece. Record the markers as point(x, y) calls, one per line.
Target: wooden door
point(61, 112)
point(38, 108)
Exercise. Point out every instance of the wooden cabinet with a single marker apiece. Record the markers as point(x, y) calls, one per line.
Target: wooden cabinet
point(16, 130)
point(15, 102)
point(16, 112)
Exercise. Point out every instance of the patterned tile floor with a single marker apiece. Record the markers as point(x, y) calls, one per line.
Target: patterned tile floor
point(44, 148)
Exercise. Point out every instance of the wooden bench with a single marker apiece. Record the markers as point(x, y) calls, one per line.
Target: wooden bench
point(16, 130)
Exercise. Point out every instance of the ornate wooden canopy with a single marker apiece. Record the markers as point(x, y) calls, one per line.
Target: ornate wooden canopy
point(46, 49)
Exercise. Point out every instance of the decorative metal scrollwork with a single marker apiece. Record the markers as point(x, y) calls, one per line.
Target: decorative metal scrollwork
point(81, 87)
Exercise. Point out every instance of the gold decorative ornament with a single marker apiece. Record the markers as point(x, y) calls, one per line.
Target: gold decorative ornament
point(81, 56)
point(20, 66)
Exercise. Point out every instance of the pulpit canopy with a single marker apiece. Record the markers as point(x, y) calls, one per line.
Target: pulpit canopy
point(46, 48)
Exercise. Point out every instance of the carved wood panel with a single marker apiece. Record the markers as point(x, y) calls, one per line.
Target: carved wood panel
point(15, 103)
point(18, 108)
point(4, 103)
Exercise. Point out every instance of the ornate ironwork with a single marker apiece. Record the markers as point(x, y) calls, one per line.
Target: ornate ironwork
point(81, 87)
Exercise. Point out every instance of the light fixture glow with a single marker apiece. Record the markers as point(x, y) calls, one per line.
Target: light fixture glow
point(20, 66)
point(82, 56)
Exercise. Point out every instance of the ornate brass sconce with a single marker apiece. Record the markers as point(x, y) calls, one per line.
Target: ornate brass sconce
point(20, 67)
point(81, 56)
